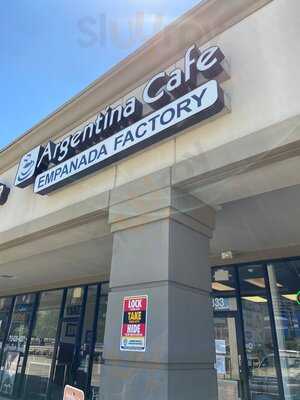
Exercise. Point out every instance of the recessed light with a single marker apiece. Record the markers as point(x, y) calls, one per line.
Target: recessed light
point(221, 287)
point(259, 282)
point(255, 299)
point(292, 297)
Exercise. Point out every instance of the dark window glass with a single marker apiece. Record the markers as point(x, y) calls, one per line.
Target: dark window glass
point(223, 289)
point(5, 307)
point(263, 380)
point(66, 362)
point(97, 356)
point(41, 347)
point(85, 351)
point(227, 358)
point(14, 350)
point(223, 281)
point(284, 278)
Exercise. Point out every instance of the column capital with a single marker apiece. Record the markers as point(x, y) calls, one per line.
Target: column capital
point(167, 261)
point(163, 203)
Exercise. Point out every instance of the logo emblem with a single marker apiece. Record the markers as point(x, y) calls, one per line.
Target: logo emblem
point(4, 192)
point(298, 297)
point(28, 170)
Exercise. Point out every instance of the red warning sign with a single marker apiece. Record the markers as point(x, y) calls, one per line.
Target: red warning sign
point(134, 323)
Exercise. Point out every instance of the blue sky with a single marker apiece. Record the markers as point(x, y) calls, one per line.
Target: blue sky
point(52, 49)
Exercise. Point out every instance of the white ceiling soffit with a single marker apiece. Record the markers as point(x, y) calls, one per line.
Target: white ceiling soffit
point(266, 221)
point(272, 177)
point(80, 263)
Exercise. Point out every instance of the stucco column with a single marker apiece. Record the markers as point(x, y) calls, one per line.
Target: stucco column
point(160, 249)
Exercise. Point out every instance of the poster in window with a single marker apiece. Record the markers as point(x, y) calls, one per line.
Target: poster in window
point(221, 364)
point(71, 330)
point(220, 346)
point(10, 371)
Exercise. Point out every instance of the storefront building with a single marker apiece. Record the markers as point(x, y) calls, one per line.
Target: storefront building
point(43, 333)
point(257, 329)
point(149, 228)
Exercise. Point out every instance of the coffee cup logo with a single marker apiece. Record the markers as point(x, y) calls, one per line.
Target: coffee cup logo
point(27, 170)
point(27, 167)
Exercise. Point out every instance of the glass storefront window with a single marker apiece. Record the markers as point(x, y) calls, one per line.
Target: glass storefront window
point(97, 356)
point(41, 349)
point(5, 309)
point(224, 289)
point(223, 280)
point(66, 362)
point(15, 347)
point(227, 358)
point(260, 349)
point(86, 343)
point(284, 278)
point(51, 339)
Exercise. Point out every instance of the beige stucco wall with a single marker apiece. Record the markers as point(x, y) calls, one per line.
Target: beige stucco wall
point(263, 51)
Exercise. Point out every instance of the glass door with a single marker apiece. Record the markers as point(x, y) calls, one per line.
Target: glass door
point(86, 344)
point(97, 359)
point(16, 346)
point(284, 280)
point(228, 359)
point(5, 313)
point(69, 335)
point(260, 339)
point(77, 354)
point(41, 347)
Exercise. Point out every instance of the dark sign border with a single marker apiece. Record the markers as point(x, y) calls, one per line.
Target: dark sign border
point(214, 109)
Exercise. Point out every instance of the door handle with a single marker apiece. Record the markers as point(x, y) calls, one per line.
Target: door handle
point(240, 361)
